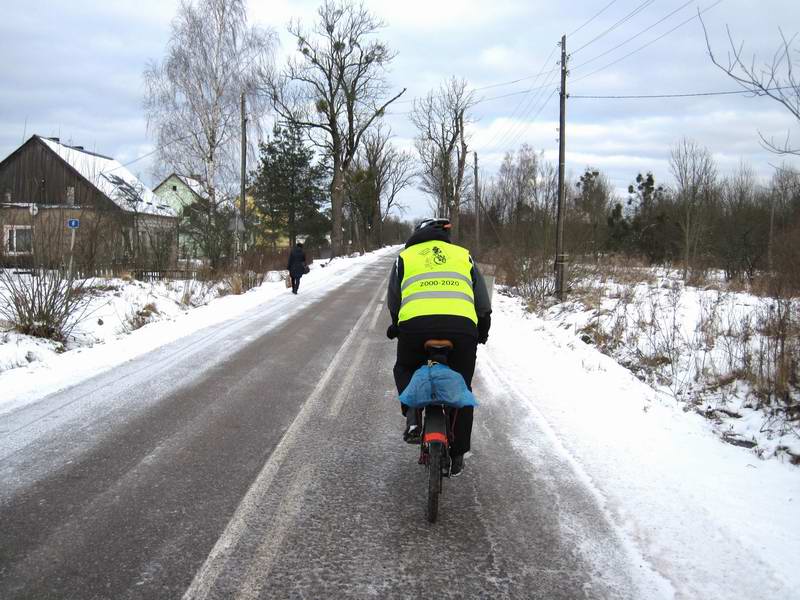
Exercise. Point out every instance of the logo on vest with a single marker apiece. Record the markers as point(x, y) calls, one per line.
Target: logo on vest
point(436, 258)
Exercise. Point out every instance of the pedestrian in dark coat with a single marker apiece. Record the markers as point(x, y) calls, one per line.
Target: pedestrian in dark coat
point(297, 265)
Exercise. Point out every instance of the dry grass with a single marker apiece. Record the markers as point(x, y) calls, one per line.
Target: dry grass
point(141, 317)
point(195, 293)
point(728, 344)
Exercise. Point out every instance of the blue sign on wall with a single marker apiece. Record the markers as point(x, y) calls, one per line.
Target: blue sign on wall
point(73, 223)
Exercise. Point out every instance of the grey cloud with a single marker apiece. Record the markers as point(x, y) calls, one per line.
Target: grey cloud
point(77, 67)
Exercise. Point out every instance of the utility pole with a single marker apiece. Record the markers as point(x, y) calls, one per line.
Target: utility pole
point(444, 205)
point(244, 178)
point(477, 209)
point(560, 258)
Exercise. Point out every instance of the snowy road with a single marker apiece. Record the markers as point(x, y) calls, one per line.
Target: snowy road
point(260, 459)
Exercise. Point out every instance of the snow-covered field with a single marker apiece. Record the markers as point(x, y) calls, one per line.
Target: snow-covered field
point(125, 319)
point(728, 355)
point(710, 517)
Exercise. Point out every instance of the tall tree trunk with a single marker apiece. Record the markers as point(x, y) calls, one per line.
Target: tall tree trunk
point(686, 246)
point(337, 201)
point(291, 216)
point(771, 232)
point(355, 226)
point(376, 223)
point(455, 213)
point(461, 155)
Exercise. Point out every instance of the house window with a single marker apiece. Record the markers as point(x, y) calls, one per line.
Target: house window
point(174, 188)
point(18, 239)
point(71, 195)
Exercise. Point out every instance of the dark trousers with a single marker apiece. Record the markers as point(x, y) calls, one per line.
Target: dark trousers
point(411, 356)
point(295, 284)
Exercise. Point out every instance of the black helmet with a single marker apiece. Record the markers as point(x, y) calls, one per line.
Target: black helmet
point(440, 224)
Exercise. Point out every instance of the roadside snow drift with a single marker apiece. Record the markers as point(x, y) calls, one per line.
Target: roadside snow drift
point(127, 319)
point(711, 518)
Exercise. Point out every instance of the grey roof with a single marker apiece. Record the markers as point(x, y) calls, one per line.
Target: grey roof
point(112, 178)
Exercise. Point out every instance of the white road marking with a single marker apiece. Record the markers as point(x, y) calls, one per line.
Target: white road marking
point(378, 310)
point(212, 568)
point(347, 384)
point(283, 519)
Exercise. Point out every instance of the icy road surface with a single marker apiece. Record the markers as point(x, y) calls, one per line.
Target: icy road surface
point(261, 458)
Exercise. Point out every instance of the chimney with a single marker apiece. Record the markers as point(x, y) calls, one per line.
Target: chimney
point(56, 140)
point(78, 147)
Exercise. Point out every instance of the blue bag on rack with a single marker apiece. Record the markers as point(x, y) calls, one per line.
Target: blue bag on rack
point(437, 384)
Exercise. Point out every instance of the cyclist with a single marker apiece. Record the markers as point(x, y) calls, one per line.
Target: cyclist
point(436, 291)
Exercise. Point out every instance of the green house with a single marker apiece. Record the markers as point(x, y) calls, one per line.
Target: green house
point(177, 191)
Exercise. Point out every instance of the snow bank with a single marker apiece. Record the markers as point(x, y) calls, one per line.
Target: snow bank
point(710, 517)
point(128, 318)
point(718, 352)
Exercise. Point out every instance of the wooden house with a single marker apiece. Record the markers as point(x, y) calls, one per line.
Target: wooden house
point(45, 184)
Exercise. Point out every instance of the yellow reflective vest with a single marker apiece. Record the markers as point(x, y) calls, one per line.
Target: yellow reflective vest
point(437, 280)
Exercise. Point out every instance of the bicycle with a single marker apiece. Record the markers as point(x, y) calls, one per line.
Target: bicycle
point(436, 434)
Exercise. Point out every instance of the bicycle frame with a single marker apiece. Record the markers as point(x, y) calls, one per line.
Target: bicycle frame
point(435, 453)
point(436, 435)
point(435, 428)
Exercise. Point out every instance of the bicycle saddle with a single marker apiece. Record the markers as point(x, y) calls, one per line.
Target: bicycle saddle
point(438, 345)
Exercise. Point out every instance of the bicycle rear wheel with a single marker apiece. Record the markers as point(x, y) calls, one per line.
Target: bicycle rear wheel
point(435, 456)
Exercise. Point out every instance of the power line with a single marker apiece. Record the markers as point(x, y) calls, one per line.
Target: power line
point(515, 130)
point(524, 129)
point(505, 137)
point(157, 149)
point(512, 82)
point(481, 100)
point(499, 84)
point(597, 14)
point(630, 39)
point(501, 96)
point(497, 136)
point(624, 19)
point(681, 95)
point(650, 43)
point(518, 93)
point(142, 157)
point(555, 69)
point(500, 138)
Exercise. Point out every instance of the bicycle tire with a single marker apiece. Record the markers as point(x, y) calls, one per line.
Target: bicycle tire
point(436, 450)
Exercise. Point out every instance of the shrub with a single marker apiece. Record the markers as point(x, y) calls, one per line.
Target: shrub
point(46, 303)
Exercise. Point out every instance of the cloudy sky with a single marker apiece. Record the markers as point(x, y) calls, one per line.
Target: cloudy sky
point(74, 69)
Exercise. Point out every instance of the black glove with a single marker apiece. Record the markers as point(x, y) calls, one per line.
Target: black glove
point(484, 323)
point(391, 331)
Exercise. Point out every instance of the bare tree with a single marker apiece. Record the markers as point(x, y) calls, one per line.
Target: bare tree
point(336, 89)
point(193, 97)
point(593, 199)
point(440, 119)
point(519, 206)
point(392, 170)
point(399, 175)
point(776, 79)
point(784, 187)
point(695, 176)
